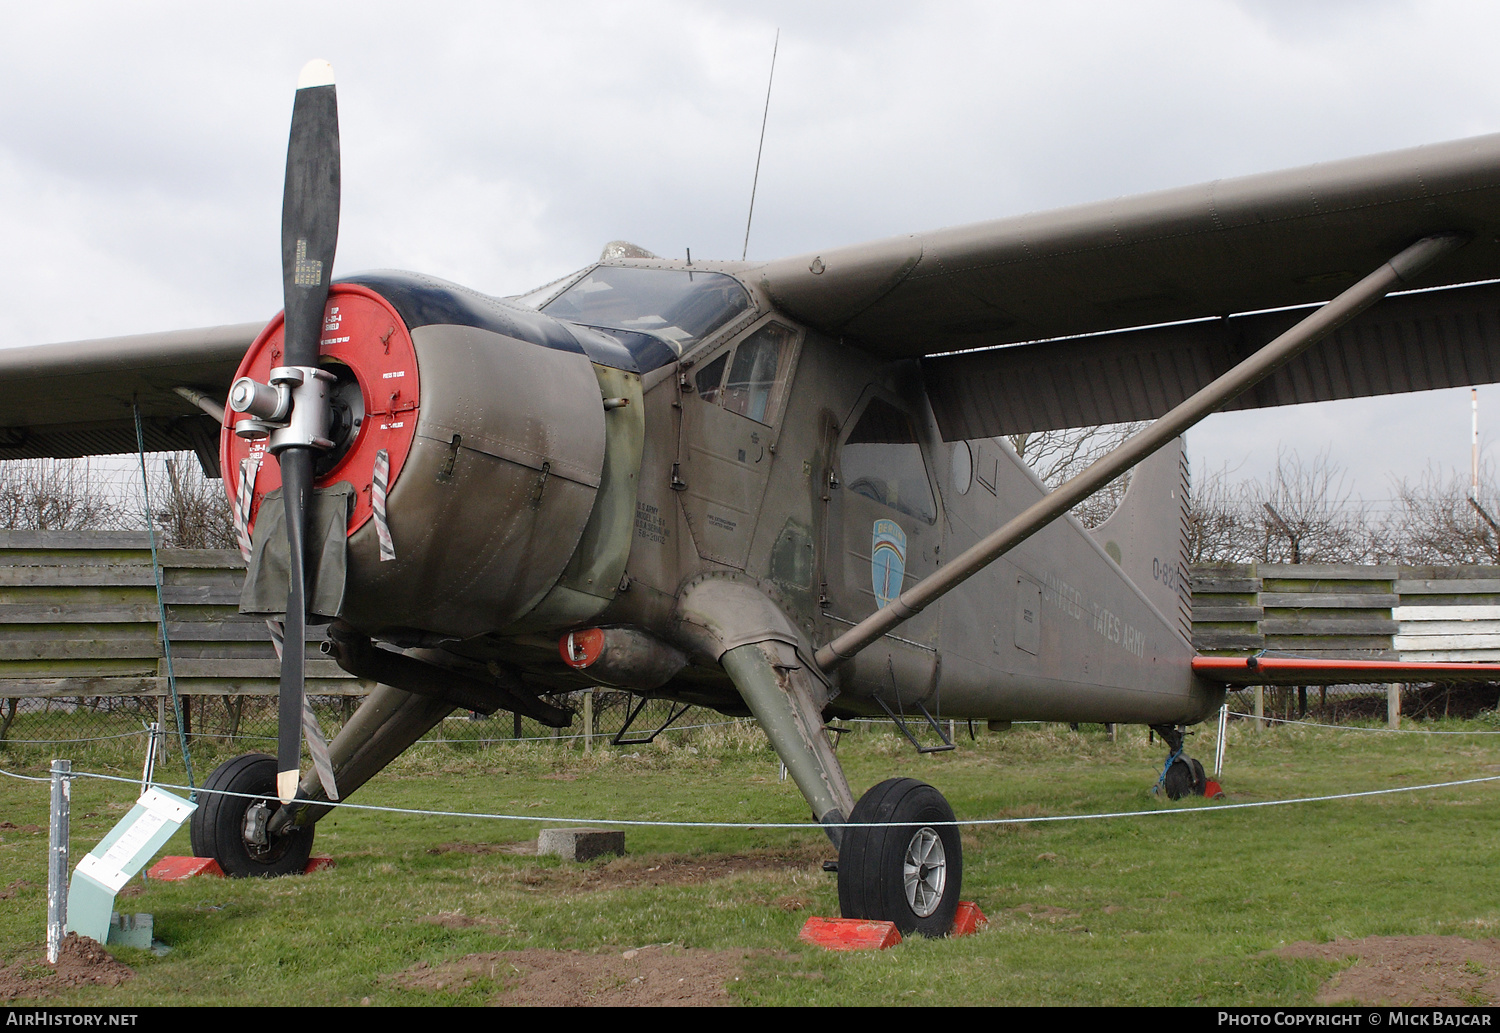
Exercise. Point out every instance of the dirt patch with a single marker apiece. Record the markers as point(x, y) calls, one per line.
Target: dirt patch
point(1047, 911)
point(459, 920)
point(80, 962)
point(660, 975)
point(1409, 970)
point(666, 870)
point(13, 888)
point(528, 847)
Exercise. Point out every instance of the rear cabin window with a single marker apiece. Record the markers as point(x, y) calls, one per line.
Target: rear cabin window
point(882, 460)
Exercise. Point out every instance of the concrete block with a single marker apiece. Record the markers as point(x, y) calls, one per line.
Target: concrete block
point(130, 930)
point(580, 844)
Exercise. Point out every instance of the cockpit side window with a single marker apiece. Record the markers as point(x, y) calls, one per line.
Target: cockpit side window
point(710, 377)
point(757, 372)
point(882, 460)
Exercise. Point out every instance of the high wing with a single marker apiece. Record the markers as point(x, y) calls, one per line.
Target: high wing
point(1069, 306)
point(79, 399)
point(1030, 288)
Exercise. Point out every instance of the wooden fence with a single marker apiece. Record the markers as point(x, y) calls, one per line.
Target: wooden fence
point(1348, 611)
point(78, 617)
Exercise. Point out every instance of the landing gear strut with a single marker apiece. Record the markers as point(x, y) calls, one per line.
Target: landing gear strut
point(1181, 775)
point(232, 829)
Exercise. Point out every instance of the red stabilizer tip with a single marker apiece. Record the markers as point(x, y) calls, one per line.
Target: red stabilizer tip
point(849, 934)
point(968, 919)
point(170, 869)
point(317, 864)
point(1213, 790)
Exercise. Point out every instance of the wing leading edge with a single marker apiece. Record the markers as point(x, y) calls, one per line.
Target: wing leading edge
point(1235, 245)
point(77, 399)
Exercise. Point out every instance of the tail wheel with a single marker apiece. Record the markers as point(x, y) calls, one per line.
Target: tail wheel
point(232, 829)
point(1185, 777)
point(909, 869)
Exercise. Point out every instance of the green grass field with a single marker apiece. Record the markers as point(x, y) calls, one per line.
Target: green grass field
point(1186, 907)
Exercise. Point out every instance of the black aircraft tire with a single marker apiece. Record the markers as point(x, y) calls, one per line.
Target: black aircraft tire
point(1200, 779)
point(874, 863)
point(1181, 779)
point(218, 825)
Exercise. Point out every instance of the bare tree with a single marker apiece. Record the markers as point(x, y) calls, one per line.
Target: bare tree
point(191, 511)
point(1437, 521)
point(56, 495)
point(1216, 527)
point(1056, 455)
point(1307, 514)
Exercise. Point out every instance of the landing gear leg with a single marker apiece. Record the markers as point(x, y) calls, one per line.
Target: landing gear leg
point(788, 702)
point(1181, 775)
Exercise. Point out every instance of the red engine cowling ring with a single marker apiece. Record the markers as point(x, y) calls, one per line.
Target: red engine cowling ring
point(362, 332)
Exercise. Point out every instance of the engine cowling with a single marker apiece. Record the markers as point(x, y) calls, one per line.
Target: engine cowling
point(492, 421)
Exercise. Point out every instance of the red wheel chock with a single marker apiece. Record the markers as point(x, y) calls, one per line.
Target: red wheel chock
point(857, 934)
point(170, 869)
point(849, 934)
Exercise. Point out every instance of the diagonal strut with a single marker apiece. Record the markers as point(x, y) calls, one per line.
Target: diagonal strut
point(1404, 267)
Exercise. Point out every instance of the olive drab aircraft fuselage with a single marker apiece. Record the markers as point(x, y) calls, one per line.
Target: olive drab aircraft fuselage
point(779, 489)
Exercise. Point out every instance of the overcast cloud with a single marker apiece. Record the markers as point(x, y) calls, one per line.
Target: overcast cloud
point(501, 145)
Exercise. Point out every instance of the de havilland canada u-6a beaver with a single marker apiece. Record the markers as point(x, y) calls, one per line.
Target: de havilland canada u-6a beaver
point(776, 489)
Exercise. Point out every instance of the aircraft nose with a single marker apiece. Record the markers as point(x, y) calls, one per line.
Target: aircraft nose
point(373, 391)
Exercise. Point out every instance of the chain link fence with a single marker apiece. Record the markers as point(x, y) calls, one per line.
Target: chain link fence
point(249, 722)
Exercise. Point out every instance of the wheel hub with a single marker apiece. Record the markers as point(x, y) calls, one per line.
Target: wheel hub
point(924, 872)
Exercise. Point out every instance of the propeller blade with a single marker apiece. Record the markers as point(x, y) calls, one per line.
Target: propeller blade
point(309, 236)
point(309, 211)
point(296, 486)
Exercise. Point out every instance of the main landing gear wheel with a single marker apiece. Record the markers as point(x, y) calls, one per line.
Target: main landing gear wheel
point(909, 871)
point(232, 829)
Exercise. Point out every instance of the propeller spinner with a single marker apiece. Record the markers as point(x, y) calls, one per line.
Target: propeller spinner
point(294, 410)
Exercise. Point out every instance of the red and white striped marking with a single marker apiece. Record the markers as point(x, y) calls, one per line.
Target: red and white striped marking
point(379, 483)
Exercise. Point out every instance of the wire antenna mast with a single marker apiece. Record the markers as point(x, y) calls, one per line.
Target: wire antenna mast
point(762, 146)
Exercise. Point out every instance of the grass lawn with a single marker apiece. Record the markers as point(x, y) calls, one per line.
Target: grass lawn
point(1185, 907)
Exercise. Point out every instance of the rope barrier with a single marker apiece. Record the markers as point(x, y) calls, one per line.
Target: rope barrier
point(636, 823)
point(1356, 728)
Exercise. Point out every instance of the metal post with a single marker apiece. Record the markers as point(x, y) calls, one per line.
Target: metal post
point(1219, 743)
point(1412, 261)
point(57, 857)
point(588, 721)
point(1260, 707)
point(148, 769)
point(161, 722)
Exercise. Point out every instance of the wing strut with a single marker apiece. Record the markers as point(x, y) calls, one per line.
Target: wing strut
point(1404, 267)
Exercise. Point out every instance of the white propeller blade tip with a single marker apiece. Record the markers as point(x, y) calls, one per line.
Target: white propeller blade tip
point(315, 73)
point(286, 785)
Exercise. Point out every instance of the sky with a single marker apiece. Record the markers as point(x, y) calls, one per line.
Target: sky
point(501, 145)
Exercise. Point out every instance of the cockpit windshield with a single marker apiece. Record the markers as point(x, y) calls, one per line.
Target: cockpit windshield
point(679, 306)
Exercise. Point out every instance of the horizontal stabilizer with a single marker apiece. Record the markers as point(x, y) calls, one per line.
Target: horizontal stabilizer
point(1297, 670)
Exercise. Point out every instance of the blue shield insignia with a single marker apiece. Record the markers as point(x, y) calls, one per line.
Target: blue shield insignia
point(887, 561)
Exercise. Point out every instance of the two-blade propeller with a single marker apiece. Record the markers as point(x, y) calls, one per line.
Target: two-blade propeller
point(293, 410)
